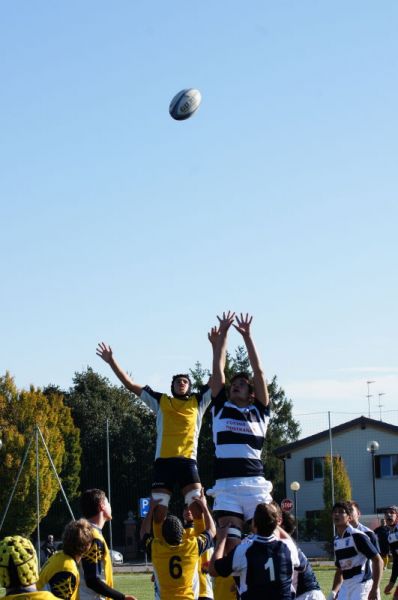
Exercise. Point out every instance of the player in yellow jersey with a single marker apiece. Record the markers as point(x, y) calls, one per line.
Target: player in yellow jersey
point(178, 422)
point(191, 528)
point(19, 570)
point(96, 581)
point(175, 553)
point(60, 574)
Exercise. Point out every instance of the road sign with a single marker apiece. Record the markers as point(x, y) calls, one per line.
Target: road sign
point(144, 507)
point(287, 505)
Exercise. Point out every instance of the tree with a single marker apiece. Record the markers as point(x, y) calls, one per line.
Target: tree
point(132, 434)
point(20, 412)
point(342, 489)
point(283, 429)
point(69, 472)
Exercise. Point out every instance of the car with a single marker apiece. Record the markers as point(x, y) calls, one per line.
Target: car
point(117, 557)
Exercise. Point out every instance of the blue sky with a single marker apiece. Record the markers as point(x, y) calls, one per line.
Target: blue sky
point(279, 197)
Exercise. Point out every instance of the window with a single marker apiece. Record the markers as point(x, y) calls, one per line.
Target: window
point(313, 468)
point(386, 465)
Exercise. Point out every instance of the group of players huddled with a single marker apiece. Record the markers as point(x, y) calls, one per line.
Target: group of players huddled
point(195, 559)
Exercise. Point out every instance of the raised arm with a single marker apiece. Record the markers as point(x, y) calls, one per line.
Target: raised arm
point(260, 383)
point(105, 352)
point(219, 550)
point(218, 340)
point(200, 509)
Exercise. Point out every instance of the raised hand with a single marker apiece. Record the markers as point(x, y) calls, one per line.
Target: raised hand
point(243, 324)
point(213, 335)
point(225, 321)
point(105, 352)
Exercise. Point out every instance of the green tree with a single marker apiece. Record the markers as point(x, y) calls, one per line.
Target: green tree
point(20, 412)
point(132, 434)
point(69, 472)
point(342, 490)
point(283, 429)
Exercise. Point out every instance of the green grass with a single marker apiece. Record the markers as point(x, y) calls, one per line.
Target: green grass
point(140, 585)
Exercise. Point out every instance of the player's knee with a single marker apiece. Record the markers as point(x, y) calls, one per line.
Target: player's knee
point(191, 495)
point(164, 498)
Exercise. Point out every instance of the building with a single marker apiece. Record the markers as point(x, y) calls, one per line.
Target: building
point(303, 462)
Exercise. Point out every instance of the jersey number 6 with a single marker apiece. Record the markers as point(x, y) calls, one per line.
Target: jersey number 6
point(175, 569)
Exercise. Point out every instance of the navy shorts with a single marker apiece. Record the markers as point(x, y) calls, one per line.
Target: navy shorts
point(171, 471)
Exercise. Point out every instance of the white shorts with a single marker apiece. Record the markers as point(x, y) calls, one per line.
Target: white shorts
point(241, 494)
point(311, 595)
point(355, 590)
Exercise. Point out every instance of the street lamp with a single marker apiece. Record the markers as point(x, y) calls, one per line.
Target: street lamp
point(295, 486)
point(373, 447)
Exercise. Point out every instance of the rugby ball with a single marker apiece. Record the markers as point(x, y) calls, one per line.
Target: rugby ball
point(184, 104)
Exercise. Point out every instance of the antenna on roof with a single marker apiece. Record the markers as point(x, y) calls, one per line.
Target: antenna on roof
point(369, 396)
point(381, 405)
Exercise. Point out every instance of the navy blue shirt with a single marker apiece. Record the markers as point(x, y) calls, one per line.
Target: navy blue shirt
point(263, 566)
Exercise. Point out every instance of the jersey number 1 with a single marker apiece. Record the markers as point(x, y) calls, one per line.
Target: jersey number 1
point(269, 566)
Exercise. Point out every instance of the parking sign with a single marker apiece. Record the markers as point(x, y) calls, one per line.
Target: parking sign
point(144, 507)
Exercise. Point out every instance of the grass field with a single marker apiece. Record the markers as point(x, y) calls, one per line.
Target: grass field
point(140, 585)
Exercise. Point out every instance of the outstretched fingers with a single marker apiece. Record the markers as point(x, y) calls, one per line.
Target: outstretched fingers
point(226, 320)
point(104, 351)
point(243, 323)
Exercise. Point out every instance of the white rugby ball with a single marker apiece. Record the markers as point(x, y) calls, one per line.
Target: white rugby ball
point(184, 104)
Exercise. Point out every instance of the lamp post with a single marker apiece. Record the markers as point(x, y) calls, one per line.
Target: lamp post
point(295, 486)
point(373, 447)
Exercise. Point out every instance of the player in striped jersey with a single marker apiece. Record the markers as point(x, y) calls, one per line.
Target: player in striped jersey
point(354, 520)
point(262, 563)
point(357, 559)
point(240, 420)
point(391, 516)
point(355, 514)
point(178, 422)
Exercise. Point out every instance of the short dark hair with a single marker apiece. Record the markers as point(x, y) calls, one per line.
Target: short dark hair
point(354, 504)
point(172, 530)
point(288, 523)
point(344, 505)
point(265, 519)
point(246, 376)
point(185, 376)
point(77, 537)
point(90, 502)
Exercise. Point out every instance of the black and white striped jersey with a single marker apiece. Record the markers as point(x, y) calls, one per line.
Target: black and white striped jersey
point(393, 543)
point(238, 435)
point(263, 566)
point(353, 551)
point(371, 535)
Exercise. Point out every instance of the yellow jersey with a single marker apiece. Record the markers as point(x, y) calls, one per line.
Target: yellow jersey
point(205, 580)
point(40, 595)
point(95, 563)
point(178, 422)
point(176, 567)
point(60, 575)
